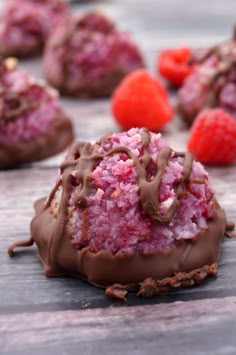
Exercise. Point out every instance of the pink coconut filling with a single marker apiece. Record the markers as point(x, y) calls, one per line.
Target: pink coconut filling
point(43, 109)
point(115, 220)
point(28, 22)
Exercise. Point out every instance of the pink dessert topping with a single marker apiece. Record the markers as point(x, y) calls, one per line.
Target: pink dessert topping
point(114, 219)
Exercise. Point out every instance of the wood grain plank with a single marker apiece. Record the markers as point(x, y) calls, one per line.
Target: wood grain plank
point(198, 327)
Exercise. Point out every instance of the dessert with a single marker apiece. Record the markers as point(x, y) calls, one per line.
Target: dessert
point(213, 82)
point(32, 123)
point(174, 65)
point(26, 25)
point(88, 56)
point(141, 100)
point(212, 138)
point(129, 213)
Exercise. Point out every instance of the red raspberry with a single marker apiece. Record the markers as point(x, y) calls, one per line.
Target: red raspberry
point(213, 137)
point(140, 100)
point(173, 65)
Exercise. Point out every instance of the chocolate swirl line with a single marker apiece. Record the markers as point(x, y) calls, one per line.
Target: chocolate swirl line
point(86, 157)
point(12, 105)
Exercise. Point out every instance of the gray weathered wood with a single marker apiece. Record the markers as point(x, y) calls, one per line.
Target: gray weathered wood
point(198, 327)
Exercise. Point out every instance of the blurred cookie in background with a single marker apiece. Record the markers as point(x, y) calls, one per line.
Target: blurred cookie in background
point(26, 24)
point(88, 56)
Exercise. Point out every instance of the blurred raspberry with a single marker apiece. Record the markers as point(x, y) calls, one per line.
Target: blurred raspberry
point(174, 65)
point(141, 101)
point(212, 138)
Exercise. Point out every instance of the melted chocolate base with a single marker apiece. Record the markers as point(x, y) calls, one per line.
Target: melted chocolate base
point(46, 144)
point(184, 264)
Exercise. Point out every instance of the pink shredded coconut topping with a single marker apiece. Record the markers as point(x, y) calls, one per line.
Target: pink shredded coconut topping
point(43, 106)
point(115, 220)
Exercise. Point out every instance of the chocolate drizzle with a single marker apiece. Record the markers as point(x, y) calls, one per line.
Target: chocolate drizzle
point(12, 104)
point(21, 243)
point(230, 230)
point(149, 190)
point(84, 164)
point(84, 156)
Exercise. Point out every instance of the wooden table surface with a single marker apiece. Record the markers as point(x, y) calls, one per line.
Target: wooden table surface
point(40, 315)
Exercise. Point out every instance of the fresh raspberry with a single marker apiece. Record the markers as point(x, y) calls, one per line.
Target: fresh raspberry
point(173, 64)
point(140, 100)
point(212, 138)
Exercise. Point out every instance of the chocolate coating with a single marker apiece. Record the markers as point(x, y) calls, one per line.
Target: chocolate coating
point(57, 138)
point(104, 269)
point(185, 263)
